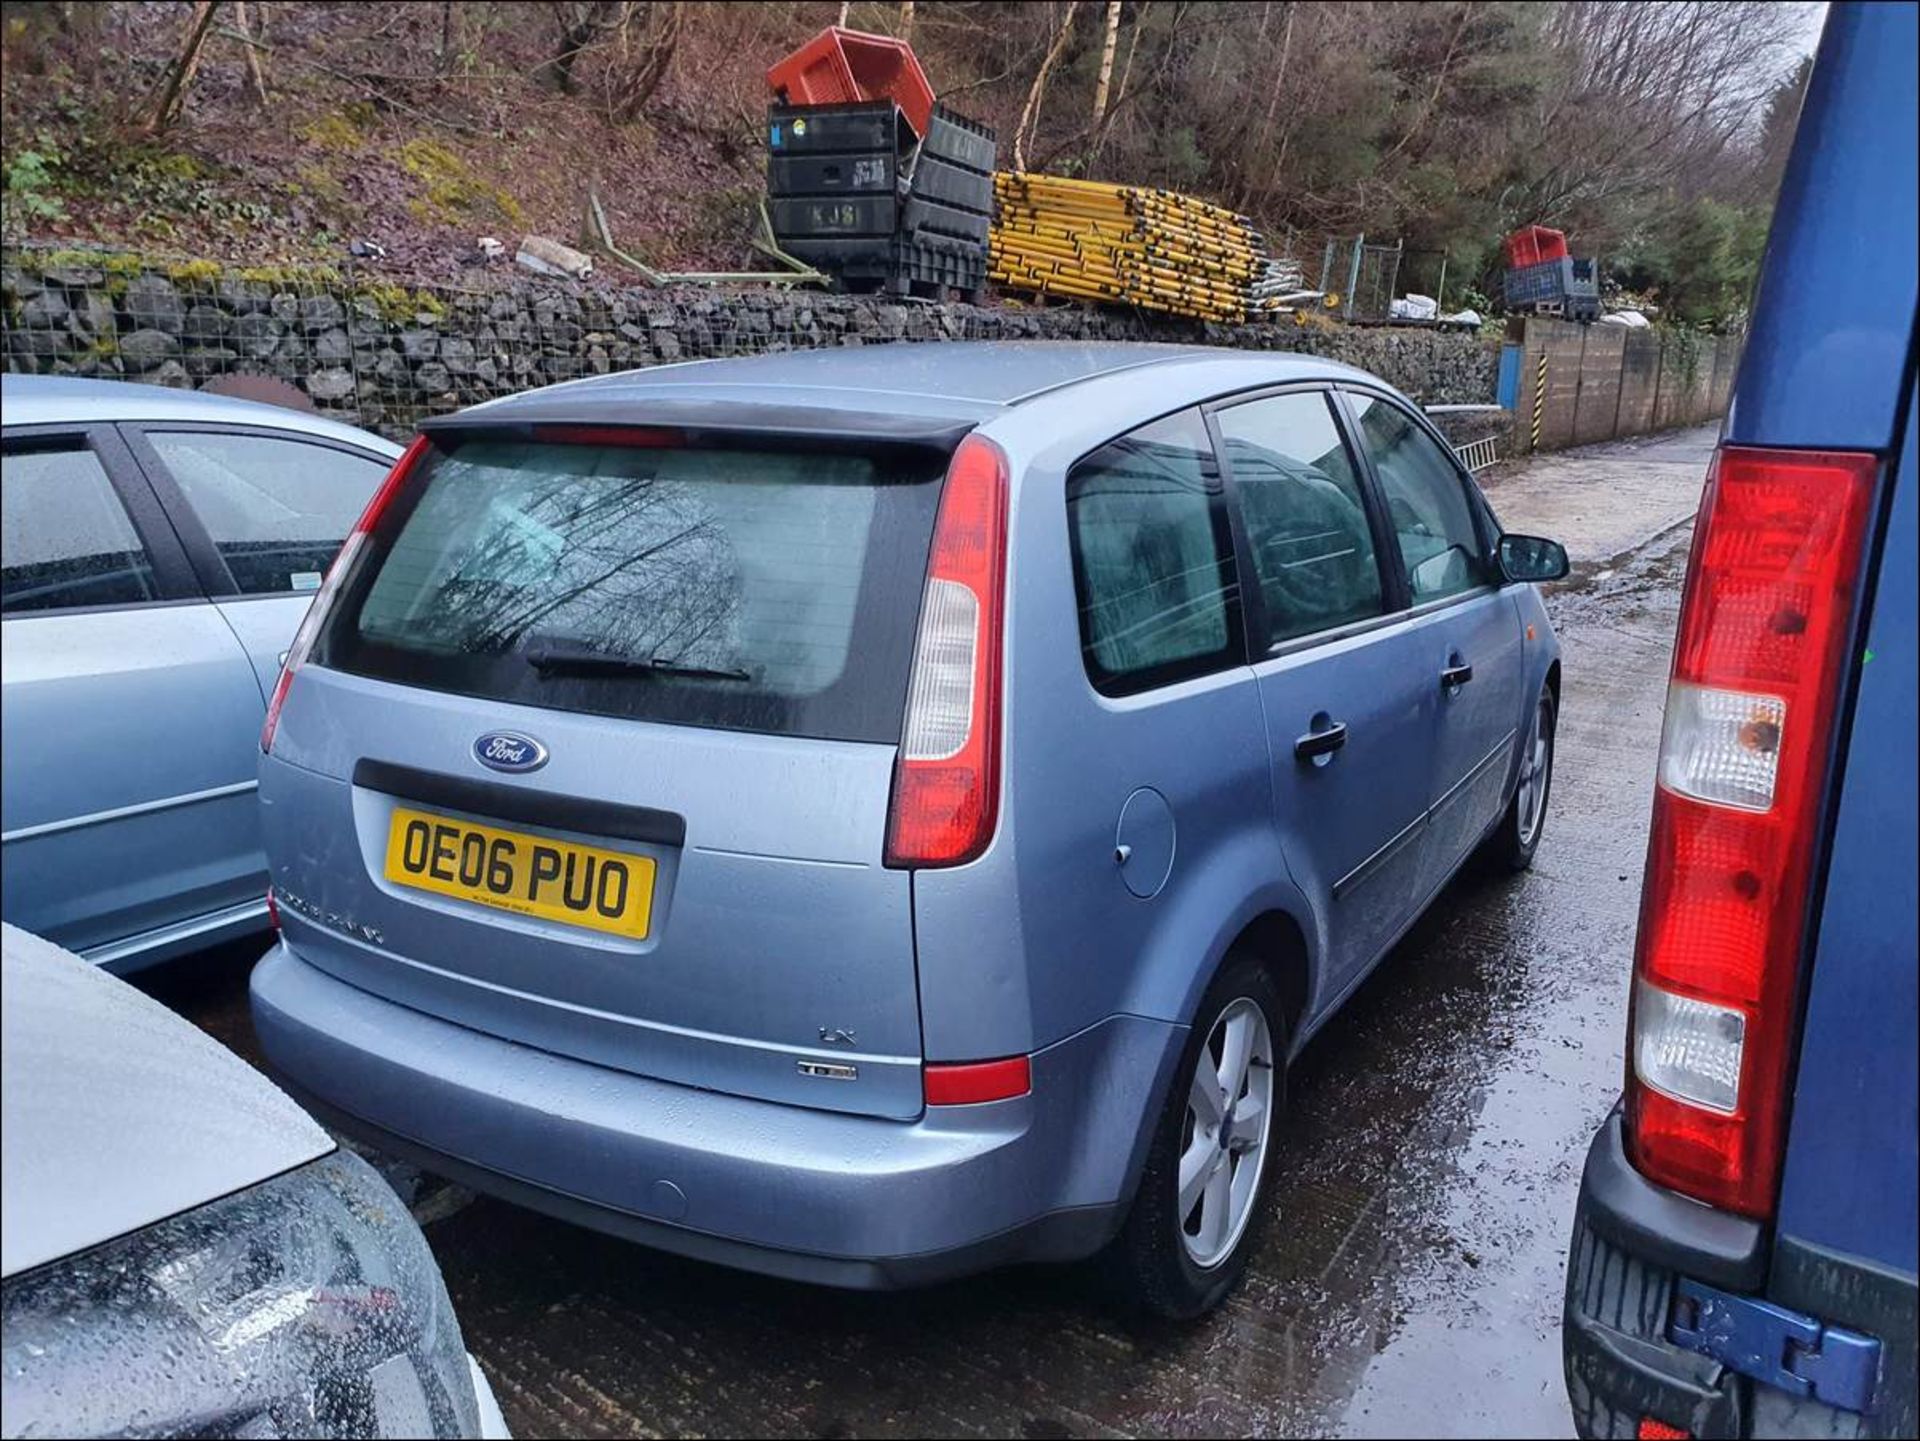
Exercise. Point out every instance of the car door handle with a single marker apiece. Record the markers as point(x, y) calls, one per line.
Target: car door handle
point(1321, 742)
point(1455, 676)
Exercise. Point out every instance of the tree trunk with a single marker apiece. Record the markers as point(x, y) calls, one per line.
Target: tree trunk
point(579, 26)
point(842, 20)
point(180, 78)
point(446, 36)
point(1030, 113)
point(906, 20)
point(254, 73)
point(1107, 47)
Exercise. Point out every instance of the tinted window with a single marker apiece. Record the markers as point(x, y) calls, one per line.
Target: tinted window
point(1152, 558)
point(65, 539)
point(1426, 501)
point(747, 589)
point(277, 510)
point(1300, 502)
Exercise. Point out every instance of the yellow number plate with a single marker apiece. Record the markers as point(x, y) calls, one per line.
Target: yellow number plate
point(529, 875)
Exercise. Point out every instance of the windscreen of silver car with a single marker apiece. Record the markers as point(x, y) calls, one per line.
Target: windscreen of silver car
point(761, 590)
point(308, 1305)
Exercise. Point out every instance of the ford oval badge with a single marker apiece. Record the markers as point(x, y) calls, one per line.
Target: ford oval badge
point(509, 751)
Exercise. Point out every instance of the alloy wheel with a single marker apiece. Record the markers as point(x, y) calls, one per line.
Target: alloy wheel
point(1224, 1138)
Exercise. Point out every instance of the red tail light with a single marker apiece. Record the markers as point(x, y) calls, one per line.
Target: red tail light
point(971, 1083)
point(336, 576)
point(273, 910)
point(1757, 674)
point(946, 783)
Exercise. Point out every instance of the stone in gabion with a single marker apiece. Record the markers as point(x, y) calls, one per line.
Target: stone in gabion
point(154, 304)
point(330, 383)
point(173, 374)
point(419, 344)
point(147, 350)
point(458, 355)
point(94, 315)
point(433, 378)
point(332, 348)
point(208, 361)
point(242, 297)
point(206, 322)
point(46, 311)
point(257, 335)
point(321, 312)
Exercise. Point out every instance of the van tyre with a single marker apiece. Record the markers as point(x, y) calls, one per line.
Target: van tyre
point(1209, 1170)
point(1518, 835)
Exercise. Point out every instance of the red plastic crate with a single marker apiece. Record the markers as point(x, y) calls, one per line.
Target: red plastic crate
point(1533, 245)
point(839, 66)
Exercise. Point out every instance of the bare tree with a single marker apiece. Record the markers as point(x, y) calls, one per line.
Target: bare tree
point(173, 92)
point(645, 37)
point(247, 41)
point(906, 19)
point(579, 23)
point(1030, 113)
point(1109, 43)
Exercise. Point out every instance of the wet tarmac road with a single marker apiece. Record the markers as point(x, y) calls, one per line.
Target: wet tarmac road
point(1409, 1282)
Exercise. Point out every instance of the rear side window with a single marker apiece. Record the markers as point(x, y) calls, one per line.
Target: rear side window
point(1153, 558)
point(277, 510)
point(65, 538)
point(1306, 523)
point(762, 590)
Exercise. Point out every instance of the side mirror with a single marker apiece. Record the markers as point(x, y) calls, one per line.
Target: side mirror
point(1529, 558)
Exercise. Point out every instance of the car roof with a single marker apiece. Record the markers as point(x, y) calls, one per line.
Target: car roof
point(118, 1113)
point(69, 400)
point(906, 389)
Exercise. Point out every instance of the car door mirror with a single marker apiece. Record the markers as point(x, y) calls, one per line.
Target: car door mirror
point(1530, 558)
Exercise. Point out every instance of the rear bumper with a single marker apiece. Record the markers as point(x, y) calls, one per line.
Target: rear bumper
point(1633, 1242)
point(812, 1195)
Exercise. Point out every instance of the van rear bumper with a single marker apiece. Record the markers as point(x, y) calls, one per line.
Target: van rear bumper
point(841, 1200)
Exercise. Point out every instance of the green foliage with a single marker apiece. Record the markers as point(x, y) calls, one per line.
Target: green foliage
point(1701, 263)
point(30, 184)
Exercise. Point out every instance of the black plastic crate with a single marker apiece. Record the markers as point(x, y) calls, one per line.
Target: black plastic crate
point(899, 267)
point(829, 175)
point(919, 215)
point(954, 138)
point(945, 183)
point(867, 127)
point(824, 217)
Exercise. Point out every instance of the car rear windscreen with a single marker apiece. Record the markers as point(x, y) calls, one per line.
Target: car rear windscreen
point(771, 590)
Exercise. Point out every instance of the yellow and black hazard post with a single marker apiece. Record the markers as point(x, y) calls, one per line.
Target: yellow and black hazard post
point(1539, 398)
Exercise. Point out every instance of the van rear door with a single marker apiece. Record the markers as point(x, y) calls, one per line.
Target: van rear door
point(594, 753)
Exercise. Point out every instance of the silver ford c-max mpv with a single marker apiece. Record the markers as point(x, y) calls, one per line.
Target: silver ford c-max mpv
point(872, 814)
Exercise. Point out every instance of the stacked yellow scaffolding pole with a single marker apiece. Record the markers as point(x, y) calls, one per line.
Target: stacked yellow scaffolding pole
point(1125, 244)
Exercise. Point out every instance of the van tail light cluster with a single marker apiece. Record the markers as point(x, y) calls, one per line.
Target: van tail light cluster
point(336, 577)
point(1758, 670)
point(946, 781)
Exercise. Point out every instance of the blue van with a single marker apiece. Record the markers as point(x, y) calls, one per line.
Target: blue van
point(1743, 1258)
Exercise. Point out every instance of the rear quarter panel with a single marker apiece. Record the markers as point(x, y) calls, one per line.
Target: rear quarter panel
point(1041, 937)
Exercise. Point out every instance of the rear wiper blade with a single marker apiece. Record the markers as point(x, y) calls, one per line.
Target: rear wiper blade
point(565, 658)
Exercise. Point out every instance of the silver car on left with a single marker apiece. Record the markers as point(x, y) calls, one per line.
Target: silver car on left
point(158, 549)
point(183, 1252)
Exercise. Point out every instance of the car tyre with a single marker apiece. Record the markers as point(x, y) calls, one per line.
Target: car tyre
point(1170, 1261)
point(1518, 835)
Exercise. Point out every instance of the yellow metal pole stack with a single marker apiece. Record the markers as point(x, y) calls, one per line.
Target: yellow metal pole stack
point(1157, 249)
